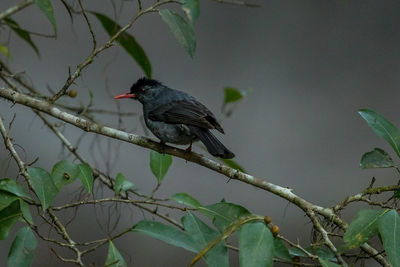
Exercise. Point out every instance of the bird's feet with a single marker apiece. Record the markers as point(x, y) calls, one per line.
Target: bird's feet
point(189, 148)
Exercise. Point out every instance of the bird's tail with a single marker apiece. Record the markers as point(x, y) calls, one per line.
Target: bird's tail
point(213, 145)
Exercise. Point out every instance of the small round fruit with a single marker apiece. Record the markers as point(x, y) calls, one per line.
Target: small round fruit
point(267, 220)
point(274, 229)
point(72, 93)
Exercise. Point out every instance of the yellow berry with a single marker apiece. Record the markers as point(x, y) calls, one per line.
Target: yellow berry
point(274, 229)
point(72, 93)
point(267, 220)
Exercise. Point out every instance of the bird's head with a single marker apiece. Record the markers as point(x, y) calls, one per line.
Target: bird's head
point(143, 90)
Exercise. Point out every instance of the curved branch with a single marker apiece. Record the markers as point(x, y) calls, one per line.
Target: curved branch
point(231, 173)
point(14, 9)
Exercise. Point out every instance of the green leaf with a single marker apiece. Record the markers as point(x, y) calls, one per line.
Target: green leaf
point(377, 158)
point(86, 177)
point(114, 258)
point(166, 233)
point(293, 251)
point(202, 234)
point(22, 248)
point(25, 211)
point(4, 50)
point(43, 185)
point(23, 34)
point(382, 127)
point(192, 9)
point(223, 214)
point(326, 263)
point(322, 252)
point(64, 172)
point(397, 194)
point(122, 184)
point(187, 200)
point(233, 164)
point(181, 29)
point(127, 41)
point(232, 95)
point(8, 217)
point(6, 199)
point(389, 228)
point(256, 245)
point(46, 7)
point(281, 250)
point(362, 228)
point(159, 164)
point(14, 188)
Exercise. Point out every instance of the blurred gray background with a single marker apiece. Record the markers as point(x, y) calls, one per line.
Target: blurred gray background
point(306, 66)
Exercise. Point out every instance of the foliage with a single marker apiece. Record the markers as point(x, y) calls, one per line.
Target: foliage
point(208, 230)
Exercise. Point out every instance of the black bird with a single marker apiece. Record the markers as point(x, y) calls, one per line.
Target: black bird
point(176, 117)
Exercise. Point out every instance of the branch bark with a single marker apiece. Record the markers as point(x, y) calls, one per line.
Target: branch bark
point(310, 209)
point(11, 10)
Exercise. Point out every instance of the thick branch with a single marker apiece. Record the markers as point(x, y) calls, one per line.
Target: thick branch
point(192, 157)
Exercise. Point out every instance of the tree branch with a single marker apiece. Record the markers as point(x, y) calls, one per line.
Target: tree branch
point(231, 173)
point(14, 9)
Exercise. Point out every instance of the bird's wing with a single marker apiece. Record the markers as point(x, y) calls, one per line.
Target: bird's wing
point(190, 112)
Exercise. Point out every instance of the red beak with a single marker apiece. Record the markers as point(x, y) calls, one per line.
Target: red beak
point(124, 95)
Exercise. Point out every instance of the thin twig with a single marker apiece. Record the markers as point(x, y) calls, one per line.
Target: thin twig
point(11, 10)
point(71, 78)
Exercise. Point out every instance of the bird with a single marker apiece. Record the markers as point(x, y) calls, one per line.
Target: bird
point(176, 117)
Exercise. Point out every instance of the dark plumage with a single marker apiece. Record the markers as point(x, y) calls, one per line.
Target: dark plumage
point(176, 117)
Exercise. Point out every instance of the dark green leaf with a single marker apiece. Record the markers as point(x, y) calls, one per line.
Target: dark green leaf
point(25, 211)
point(64, 172)
point(232, 95)
point(68, 8)
point(6, 199)
point(233, 164)
point(127, 41)
point(389, 228)
point(192, 9)
point(202, 234)
point(223, 214)
point(383, 128)
point(327, 263)
point(187, 200)
point(114, 258)
point(181, 29)
point(22, 248)
point(43, 185)
point(14, 188)
point(86, 177)
point(47, 9)
point(166, 233)
point(8, 217)
point(122, 184)
point(397, 194)
point(256, 245)
point(281, 250)
point(23, 34)
point(362, 228)
point(377, 158)
point(159, 164)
